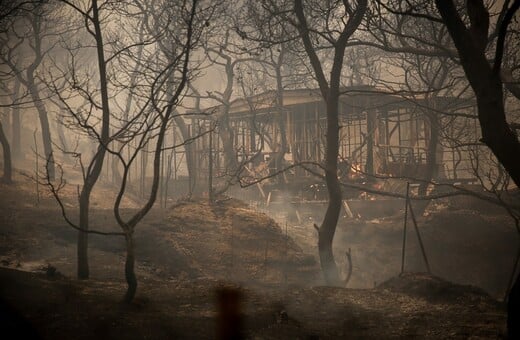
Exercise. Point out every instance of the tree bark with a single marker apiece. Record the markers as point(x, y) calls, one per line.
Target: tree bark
point(330, 221)
point(7, 177)
point(16, 126)
point(226, 132)
point(228, 144)
point(82, 246)
point(330, 93)
point(97, 162)
point(130, 277)
point(44, 123)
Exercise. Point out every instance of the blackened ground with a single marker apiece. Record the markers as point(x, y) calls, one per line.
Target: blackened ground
point(186, 252)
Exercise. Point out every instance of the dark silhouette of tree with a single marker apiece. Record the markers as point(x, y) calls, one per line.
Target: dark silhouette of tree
point(7, 176)
point(471, 40)
point(321, 29)
point(165, 94)
point(97, 128)
point(330, 91)
point(479, 40)
point(156, 96)
point(23, 51)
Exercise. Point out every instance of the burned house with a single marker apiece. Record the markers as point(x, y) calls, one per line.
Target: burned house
point(381, 133)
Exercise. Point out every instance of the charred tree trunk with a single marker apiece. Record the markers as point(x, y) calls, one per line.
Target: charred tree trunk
point(328, 227)
point(7, 176)
point(116, 176)
point(15, 121)
point(228, 142)
point(44, 123)
point(97, 162)
point(130, 277)
point(496, 133)
point(130, 225)
point(486, 82)
point(225, 131)
point(330, 93)
point(82, 246)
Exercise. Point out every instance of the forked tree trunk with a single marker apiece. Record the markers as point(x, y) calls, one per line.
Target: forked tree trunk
point(7, 176)
point(330, 93)
point(328, 227)
point(488, 87)
point(129, 226)
point(97, 162)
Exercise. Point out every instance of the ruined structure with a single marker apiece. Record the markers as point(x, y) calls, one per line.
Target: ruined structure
point(382, 133)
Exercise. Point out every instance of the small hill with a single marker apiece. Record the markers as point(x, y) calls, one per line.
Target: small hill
point(227, 240)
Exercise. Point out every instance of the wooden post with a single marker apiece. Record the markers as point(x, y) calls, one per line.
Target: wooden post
point(130, 166)
point(418, 235)
point(144, 156)
point(210, 167)
point(107, 166)
point(168, 176)
point(403, 253)
point(37, 166)
point(286, 253)
point(232, 252)
point(161, 181)
point(265, 259)
point(174, 158)
point(347, 209)
point(371, 131)
point(348, 255)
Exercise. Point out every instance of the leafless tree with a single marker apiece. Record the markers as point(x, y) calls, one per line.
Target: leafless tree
point(25, 45)
point(156, 95)
point(223, 49)
point(471, 40)
point(87, 120)
point(166, 91)
point(480, 35)
point(324, 27)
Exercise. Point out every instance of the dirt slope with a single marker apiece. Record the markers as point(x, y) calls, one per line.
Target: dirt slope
point(184, 254)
